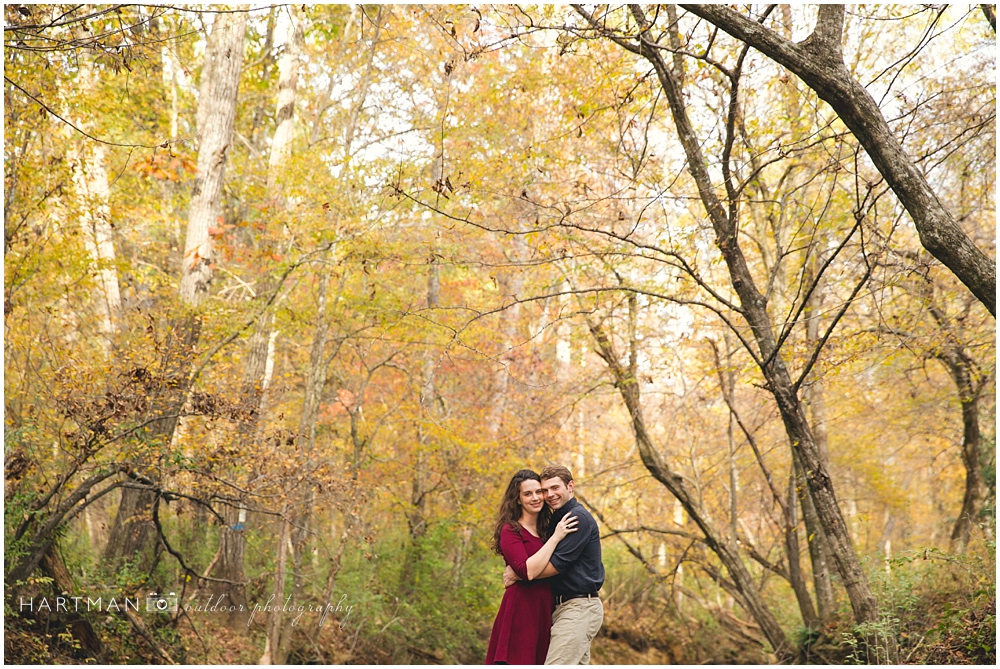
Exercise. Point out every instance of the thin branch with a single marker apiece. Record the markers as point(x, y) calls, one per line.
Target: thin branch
point(166, 544)
point(829, 331)
point(747, 433)
point(264, 307)
point(44, 106)
point(652, 530)
point(787, 329)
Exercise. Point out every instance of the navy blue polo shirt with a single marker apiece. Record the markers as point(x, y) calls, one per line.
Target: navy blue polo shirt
point(578, 556)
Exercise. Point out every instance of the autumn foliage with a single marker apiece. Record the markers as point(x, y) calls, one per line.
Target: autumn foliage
point(290, 292)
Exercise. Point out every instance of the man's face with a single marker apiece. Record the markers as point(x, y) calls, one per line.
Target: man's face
point(557, 493)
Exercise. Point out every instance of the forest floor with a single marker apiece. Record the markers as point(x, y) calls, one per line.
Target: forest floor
point(939, 607)
point(951, 635)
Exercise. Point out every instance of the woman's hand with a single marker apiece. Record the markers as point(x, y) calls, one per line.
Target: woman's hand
point(564, 527)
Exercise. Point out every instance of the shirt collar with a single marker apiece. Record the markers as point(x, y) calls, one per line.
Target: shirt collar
point(564, 509)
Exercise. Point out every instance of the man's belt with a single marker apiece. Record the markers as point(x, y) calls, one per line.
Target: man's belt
point(581, 595)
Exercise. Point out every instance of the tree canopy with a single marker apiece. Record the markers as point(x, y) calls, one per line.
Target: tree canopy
point(291, 291)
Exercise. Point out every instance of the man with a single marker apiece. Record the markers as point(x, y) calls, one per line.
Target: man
point(576, 572)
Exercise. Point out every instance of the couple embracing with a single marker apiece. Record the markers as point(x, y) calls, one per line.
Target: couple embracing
point(551, 610)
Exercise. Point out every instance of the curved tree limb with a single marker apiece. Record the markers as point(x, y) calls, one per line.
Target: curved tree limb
point(818, 62)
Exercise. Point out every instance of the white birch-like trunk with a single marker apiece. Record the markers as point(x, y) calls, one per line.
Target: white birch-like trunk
point(223, 64)
point(288, 77)
point(170, 83)
point(170, 74)
point(260, 361)
point(510, 284)
point(90, 180)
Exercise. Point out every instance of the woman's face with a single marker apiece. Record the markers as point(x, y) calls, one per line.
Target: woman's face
point(532, 496)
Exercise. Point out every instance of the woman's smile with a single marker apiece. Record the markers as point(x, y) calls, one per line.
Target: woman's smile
point(532, 496)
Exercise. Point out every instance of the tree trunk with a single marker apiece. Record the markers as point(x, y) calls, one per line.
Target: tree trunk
point(975, 488)
point(727, 378)
point(510, 291)
point(169, 69)
point(288, 77)
point(298, 583)
point(958, 363)
point(229, 566)
point(272, 645)
point(754, 310)
point(52, 565)
point(133, 536)
point(45, 528)
point(990, 12)
point(748, 590)
point(818, 61)
point(819, 551)
point(216, 114)
point(132, 533)
point(727, 381)
point(417, 516)
point(232, 537)
point(316, 376)
point(267, 63)
point(90, 177)
point(261, 346)
point(331, 576)
point(350, 130)
point(798, 582)
point(281, 629)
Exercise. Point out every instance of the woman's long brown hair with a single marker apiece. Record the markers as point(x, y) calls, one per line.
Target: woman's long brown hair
point(510, 510)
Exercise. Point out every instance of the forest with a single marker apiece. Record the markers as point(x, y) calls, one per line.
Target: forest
point(291, 292)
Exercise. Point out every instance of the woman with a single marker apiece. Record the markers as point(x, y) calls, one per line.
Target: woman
point(521, 629)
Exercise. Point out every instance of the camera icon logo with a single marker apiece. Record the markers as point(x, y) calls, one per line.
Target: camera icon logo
point(161, 603)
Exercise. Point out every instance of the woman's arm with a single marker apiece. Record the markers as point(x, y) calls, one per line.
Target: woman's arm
point(514, 553)
point(536, 564)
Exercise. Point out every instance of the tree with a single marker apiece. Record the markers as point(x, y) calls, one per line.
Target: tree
point(131, 535)
point(753, 309)
point(260, 356)
point(745, 589)
point(948, 342)
point(818, 61)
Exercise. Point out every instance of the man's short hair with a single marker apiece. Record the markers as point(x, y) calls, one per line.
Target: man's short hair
point(557, 471)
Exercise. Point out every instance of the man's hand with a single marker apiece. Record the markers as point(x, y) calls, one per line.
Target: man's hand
point(509, 577)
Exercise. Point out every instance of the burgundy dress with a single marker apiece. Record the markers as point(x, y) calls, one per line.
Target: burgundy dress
point(522, 626)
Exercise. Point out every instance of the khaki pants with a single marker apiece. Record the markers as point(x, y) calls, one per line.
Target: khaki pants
point(575, 623)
